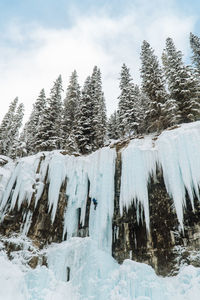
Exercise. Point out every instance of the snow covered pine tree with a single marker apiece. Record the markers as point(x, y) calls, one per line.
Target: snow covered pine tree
point(182, 83)
point(153, 86)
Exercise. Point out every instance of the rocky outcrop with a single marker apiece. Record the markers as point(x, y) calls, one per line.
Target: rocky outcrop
point(166, 248)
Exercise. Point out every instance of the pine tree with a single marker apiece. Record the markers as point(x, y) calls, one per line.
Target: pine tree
point(42, 135)
point(71, 102)
point(6, 128)
point(91, 115)
point(182, 83)
point(29, 136)
point(153, 85)
point(172, 113)
point(98, 110)
point(84, 132)
point(141, 107)
point(70, 144)
point(14, 137)
point(113, 126)
point(128, 121)
point(195, 45)
point(49, 135)
point(39, 109)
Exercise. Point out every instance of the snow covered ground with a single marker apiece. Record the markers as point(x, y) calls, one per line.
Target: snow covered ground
point(94, 274)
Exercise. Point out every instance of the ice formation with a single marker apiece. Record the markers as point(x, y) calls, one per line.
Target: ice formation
point(177, 153)
point(87, 262)
point(138, 163)
point(94, 173)
point(94, 275)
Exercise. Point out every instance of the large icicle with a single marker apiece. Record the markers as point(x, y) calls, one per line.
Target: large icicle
point(101, 175)
point(77, 187)
point(138, 163)
point(179, 156)
point(5, 173)
point(20, 185)
point(177, 153)
point(99, 169)
point(56, 176)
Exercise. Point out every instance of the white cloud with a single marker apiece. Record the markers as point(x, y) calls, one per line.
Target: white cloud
point(34, 56)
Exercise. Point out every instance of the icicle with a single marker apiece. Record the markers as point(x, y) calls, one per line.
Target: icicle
point(177, 153)
point(56, 177)
point(26, 222)
point(20, 185)
point(99, 168)
point(101, 175)
point(138, 163)
point(180, 159)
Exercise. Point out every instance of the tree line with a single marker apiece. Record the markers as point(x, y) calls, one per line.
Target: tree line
point(168, 95)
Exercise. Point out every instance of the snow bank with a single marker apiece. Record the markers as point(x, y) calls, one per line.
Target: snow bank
point(79, 270)
point(12, 282)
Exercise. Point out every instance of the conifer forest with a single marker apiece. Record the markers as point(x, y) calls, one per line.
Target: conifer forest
point(169, 94)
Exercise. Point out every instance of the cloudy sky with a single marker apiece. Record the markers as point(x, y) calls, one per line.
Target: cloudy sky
point(40, 39)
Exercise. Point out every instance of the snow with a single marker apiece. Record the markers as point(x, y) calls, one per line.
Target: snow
point(94, 275)
point(12, 282)
point(177, 153)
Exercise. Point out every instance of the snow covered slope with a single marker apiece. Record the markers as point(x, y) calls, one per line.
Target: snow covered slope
point(94, 275)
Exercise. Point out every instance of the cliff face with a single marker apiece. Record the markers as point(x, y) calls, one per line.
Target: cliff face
point(165, 247)
point(44, 215)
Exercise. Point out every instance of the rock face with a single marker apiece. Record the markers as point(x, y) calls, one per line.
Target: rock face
point(165, 247)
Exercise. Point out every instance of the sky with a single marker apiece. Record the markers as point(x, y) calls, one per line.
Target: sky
point(41, 39)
